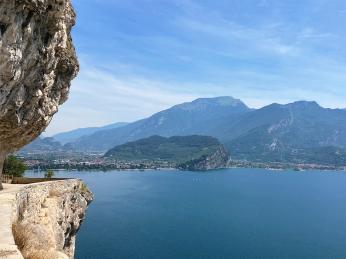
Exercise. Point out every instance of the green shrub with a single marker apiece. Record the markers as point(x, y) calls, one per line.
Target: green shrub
point(14, 166)
point(49, 174)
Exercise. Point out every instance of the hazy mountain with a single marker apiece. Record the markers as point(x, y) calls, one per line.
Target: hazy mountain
point(296, 132)
point(201, 117)
point(44, 145)
point(73, 135)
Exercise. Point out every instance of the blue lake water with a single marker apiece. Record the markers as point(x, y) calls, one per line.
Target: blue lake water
point(233, 213)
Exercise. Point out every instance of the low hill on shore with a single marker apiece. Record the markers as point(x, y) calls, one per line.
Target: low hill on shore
point(188, 152)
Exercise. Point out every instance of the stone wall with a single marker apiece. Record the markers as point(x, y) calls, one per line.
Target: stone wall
point(46, 217)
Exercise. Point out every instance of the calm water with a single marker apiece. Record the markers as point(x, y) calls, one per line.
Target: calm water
point(236, 213)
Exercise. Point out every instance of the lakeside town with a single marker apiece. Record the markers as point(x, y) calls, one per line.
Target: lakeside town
point(96, 161)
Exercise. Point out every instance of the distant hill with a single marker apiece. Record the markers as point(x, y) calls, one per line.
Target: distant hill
point(189, 152)
point(73, 135)
point(44, 145)
point(203, 117)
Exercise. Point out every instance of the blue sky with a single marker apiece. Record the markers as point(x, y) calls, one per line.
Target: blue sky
point(141, 56)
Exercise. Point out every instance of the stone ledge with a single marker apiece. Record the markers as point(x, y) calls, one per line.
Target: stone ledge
point(8, 248)
point(42, 206)
point(10, 252)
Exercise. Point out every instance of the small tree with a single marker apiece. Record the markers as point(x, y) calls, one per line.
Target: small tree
point(14, 166)
point(49, 174)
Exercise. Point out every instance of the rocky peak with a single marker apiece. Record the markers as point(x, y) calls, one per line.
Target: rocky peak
point(202, 104)
point(304, 105)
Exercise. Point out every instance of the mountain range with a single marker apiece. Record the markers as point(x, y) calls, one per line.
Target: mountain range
point(300, 132)
point(205, 116)
point(297, 132)
point(73, 135)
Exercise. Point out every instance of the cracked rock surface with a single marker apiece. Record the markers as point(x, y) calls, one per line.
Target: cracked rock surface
point(37, 64)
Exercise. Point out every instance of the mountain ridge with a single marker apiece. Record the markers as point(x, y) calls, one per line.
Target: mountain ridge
point(197, 117)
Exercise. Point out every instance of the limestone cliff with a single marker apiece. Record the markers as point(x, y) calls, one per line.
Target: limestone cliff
point(47, 216)
point(37, 64)
point(216, 160)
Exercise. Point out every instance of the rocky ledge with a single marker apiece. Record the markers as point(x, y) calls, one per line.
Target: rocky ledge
point(43, 218)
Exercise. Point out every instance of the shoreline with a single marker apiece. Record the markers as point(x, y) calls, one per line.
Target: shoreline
point(274, 169)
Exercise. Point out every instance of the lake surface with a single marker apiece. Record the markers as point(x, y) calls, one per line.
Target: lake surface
point(233, 213)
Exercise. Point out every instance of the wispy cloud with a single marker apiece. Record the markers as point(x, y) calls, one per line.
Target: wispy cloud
point(258, 41)
point(99, 97)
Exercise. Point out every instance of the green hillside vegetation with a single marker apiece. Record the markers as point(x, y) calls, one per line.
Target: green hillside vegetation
point(175, 149)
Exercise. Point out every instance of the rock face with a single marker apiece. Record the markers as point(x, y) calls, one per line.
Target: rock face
point(47, 217)
point(37, 64)
point(219, 159)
